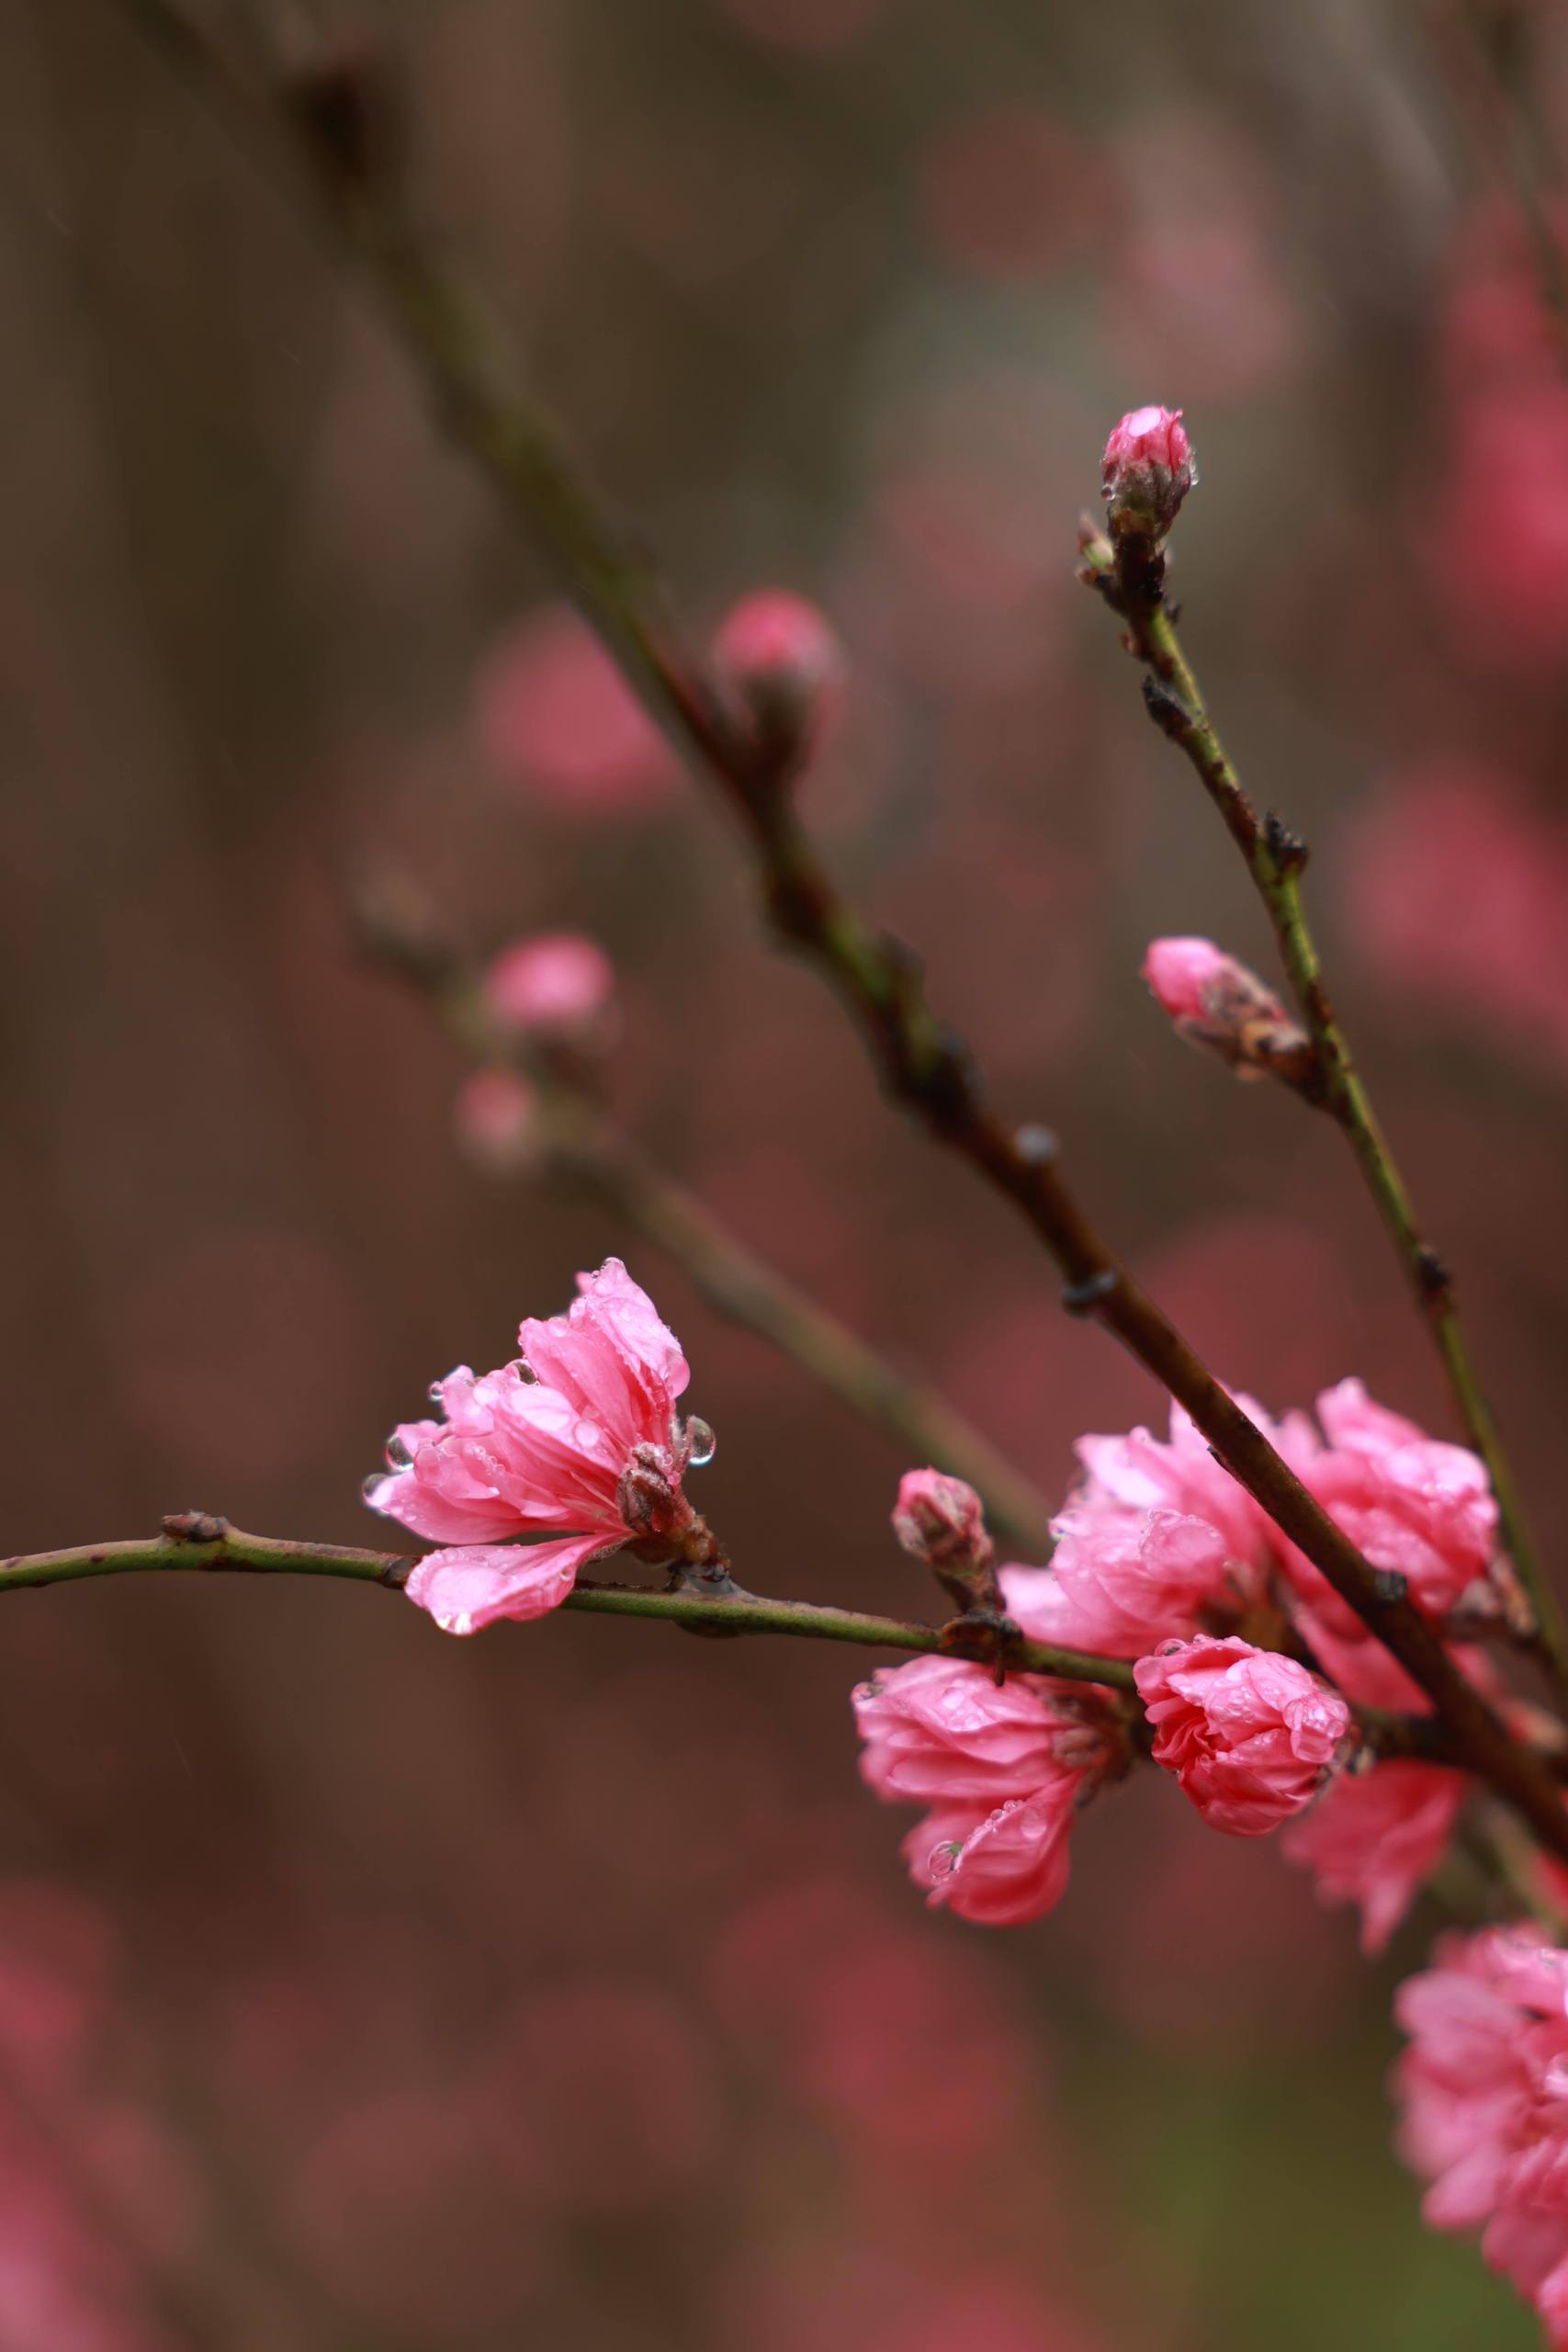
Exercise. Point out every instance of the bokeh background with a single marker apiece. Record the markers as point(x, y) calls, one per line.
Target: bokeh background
point(362, 1988)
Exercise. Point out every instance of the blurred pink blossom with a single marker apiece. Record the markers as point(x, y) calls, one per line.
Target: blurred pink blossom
point(1459, 896)
point(554, 714)
point(1249, 1733)
point(1010, 193)
point(580, 1434)
point(782, 660)
point(1483, 2093)
point(557, 983)
point(1374, 1838)
point(494, 1115)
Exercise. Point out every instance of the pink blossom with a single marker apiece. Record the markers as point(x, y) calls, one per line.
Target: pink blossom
point(1482, 2090)
point(1003, 1770)
point(1001, 1867)
point(1218, 1003)
point(1125, 1476)
point(578, 1441)
point(784, 664)
point(1149, 469)
point(1249, 1733)
point(1374, 1838)
point(555, 716)
point(494, 1114)
point(1459, 891)
point(1118, 1584)
point(555, 985)
point(1409, 1503)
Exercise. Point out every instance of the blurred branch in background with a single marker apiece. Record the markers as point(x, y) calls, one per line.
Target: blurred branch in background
point(564, 1135)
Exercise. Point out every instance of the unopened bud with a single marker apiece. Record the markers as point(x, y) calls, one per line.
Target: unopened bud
point(1149, 469)
point(780, 658)
point(558, 989)
point(496, 1118)
point(941, 1521)
point(1218, 1004)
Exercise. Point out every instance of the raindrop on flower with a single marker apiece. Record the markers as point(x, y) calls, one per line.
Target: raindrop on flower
point(701, 1442)
point(398, 1454)
point(367, 1486)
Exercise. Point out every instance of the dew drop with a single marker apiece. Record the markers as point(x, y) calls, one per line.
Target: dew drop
point(369, 1486)
point(398, 1454)
point(700, 1443)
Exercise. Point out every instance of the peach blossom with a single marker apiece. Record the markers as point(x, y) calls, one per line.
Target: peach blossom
point(1250, 1735)
point(579, 1440)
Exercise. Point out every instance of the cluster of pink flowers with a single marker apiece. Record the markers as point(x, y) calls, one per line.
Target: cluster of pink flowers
point(1164, 1560)
point(1482, 2090)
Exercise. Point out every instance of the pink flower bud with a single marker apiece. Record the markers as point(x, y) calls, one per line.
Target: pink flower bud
point(779, 655)
point(495, 1116)
point(1218, 1003)
point(941, 1521)
point(1149, 469)
point(555, 985)
point(1250, 1735)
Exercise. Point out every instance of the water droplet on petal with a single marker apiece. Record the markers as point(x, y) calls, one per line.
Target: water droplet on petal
point(702, 1444)
point(398, 1453)
point(371, 1487)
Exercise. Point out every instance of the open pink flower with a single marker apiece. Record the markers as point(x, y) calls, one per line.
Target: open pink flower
point(1406, 1501)
point(1374, 1838)
point(1119, 1583)
point(1250, 1735)
point(1003, 1769)
point(579, 1440)
point(1482, 2090)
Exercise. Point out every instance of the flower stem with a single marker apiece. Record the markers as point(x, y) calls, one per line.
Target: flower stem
point(1275, 859)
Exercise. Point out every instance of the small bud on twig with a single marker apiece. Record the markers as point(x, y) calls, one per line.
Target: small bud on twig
point(1218, 1004)
point(785, 667)
point(941, 1521)
point(1149, 469)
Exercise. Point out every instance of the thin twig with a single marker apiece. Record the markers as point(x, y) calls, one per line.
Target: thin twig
point(337, 111)
point(572, 1138)
point(202, 1541)
point(1131, 580)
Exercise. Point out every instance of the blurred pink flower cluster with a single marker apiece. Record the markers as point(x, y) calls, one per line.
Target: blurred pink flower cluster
point(1483, 2089)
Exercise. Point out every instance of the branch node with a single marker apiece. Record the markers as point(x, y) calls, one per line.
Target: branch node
point(1173, 717)
point(1039, 1146)
point(1286, 849)
point(1433, 1275)
point(195, 1527)
point(1083, 1297)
